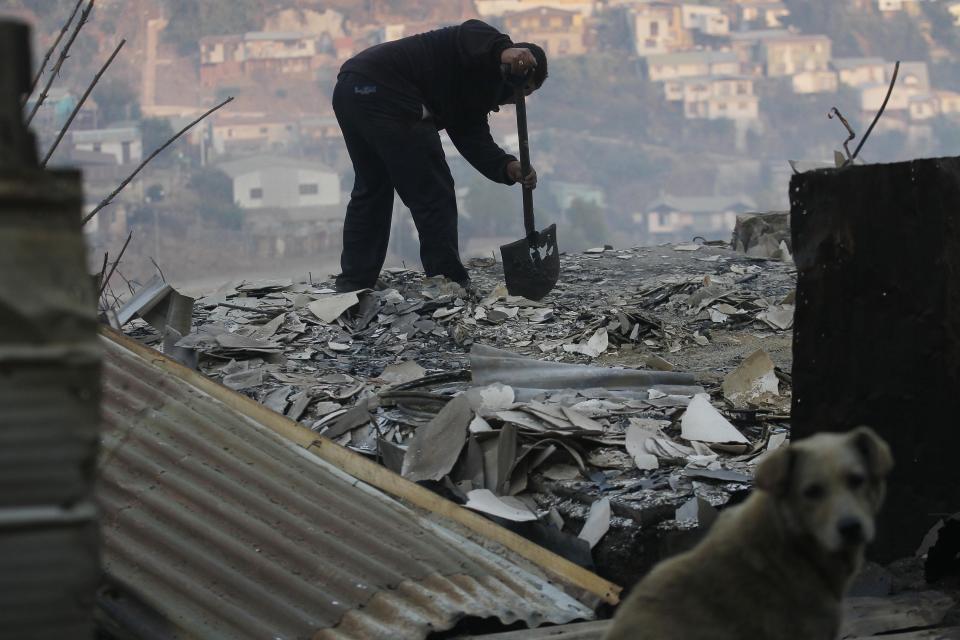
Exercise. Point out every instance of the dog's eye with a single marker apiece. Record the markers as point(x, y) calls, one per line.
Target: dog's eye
point(814, 492)
point(855, 480)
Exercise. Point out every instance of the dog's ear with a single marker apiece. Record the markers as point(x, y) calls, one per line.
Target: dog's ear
point(773, 475)
point(874, 450)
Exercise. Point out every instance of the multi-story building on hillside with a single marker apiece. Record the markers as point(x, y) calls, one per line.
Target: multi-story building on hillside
point(692, 64)
point(657, 27)
point(559, 32)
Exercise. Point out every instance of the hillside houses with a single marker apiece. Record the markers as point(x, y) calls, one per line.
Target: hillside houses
point(224, 58)
point(671, 218)
point(760, 14)
point(691, 64)
point(715, 98)
point(657, 27)
point(558, 31)
point(859, 72)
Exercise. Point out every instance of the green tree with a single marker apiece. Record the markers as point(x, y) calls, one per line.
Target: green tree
point(214, 188)
point(190, 20)
point(155, 132)
point(587, 225)
point(116, 101)
point(860, 32)
point(493, 209)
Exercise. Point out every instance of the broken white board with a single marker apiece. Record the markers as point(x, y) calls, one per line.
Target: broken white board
point(329, 308)
point(598, 522)
point(401, 372)
point(703, 423)
point(484, 501)
point(754, 380)
point(593, 347)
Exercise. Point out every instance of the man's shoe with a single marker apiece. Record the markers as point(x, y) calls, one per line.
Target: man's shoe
point(346, 286)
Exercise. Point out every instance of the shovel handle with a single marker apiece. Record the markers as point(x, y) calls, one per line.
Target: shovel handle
point(528, 222)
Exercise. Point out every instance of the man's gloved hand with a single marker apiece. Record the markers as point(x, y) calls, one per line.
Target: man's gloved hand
point(520, 60)
point(515, 172)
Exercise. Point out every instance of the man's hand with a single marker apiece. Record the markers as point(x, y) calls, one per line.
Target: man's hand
point(515, 172)
point(520, 60)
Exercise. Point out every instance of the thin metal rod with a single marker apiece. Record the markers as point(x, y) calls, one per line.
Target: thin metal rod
point(850, 133)
point(166, 144)
point(79, 105)
point(116, 263)
point(60, 60)
point(53, 47)
point(893, 81)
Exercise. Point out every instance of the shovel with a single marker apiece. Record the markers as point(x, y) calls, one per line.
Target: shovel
point(531, 265)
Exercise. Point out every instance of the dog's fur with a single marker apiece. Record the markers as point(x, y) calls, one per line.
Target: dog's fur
point(776, 566)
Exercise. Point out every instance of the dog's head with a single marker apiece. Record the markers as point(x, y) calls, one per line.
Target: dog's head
point(829, 486)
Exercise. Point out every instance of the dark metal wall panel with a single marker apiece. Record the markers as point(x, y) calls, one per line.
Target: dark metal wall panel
point(49, 409)
point(877, 327)
point(227, 530)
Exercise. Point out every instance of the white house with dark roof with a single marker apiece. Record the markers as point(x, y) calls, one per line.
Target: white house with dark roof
point(123, 143)
point(768, 14)
point(715, 98)
point(275, 182)
point(680, 218)
point(859, 72)
point(706, 19)
point(691, 64)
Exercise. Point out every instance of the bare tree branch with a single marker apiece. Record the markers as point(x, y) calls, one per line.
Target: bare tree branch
point(116, 263)
point(60, 60)
point(127, 282)
point(79, 105)
point(53, 47)
point(153, 155)
point(159, 270)
point(103, 271)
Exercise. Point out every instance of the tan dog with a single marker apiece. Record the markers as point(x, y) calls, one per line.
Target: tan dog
point(778, 565)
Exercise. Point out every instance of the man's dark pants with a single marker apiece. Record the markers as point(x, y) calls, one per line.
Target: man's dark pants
point(392, 147)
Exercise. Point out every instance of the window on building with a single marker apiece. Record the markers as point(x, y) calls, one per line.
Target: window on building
point(97, 147)
point(310, 189)
point(256, 193)
point(654, 29)
point(263, 129)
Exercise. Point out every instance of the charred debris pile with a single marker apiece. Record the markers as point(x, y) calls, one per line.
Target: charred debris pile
point(620, 411)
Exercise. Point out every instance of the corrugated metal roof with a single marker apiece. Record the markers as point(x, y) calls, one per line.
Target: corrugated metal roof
point(577, 631)
point(227, 530)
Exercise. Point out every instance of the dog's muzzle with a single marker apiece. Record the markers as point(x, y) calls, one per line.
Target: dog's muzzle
point(851, 531)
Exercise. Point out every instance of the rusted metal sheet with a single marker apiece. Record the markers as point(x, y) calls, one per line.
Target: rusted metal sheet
point(576, 631)
point(220, 528)
point(49, 382)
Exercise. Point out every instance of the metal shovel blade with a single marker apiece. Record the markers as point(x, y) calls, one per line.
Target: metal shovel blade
point(532, 268)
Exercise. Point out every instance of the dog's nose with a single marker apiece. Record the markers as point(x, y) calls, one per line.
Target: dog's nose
point(851, 530)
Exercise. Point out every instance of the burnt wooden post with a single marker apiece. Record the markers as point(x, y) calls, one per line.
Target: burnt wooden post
point(49, 382)
point(877, 327)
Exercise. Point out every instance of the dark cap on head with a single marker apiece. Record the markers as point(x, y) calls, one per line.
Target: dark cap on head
point(540, 73)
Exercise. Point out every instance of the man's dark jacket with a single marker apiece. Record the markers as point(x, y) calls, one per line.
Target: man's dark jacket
point(455, 73)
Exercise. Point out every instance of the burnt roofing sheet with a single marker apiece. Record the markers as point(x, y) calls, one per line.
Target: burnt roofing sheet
point(221, 528)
